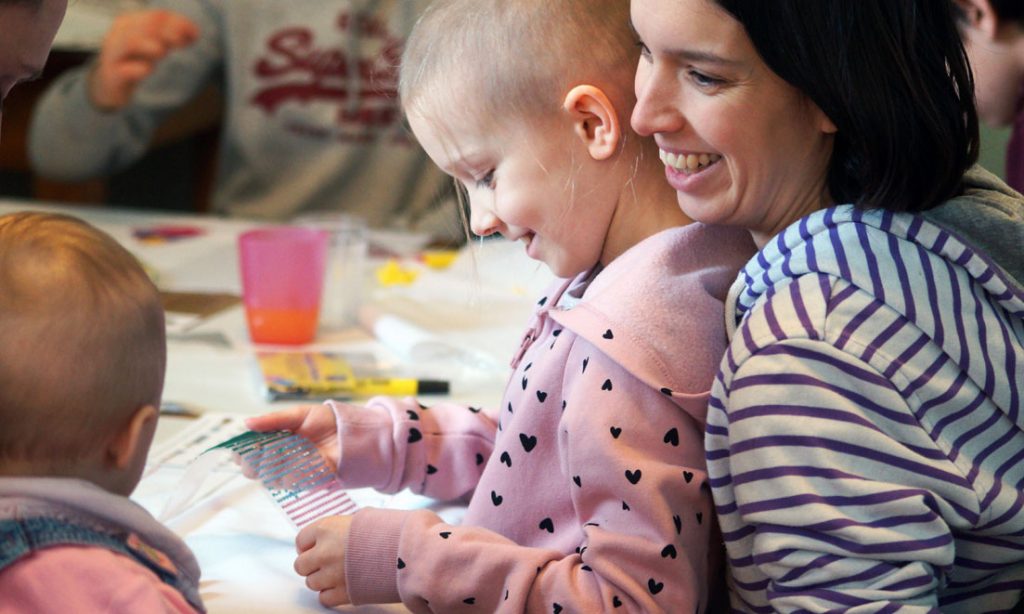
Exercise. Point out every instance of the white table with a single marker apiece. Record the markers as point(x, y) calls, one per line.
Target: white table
point(243, 542)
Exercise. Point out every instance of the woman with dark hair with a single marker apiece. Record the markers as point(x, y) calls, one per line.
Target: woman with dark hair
point(865, 438)
point(28, 28)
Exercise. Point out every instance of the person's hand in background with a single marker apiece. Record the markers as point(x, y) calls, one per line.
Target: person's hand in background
point(131, 50)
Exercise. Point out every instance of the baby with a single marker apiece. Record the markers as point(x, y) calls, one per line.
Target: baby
point(82, 358)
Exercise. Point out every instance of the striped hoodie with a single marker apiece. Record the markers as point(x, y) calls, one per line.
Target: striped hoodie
point(865, 437)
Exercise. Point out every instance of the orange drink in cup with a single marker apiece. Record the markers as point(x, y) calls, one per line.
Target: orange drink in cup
point(282, 280)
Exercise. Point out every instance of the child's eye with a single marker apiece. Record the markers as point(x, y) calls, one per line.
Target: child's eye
point(487, 181)
point(645, 51)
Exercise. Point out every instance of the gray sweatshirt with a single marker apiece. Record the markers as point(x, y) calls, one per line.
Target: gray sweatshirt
point(311, 119)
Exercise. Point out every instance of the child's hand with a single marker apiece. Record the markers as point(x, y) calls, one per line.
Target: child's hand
point(314, 422)
point(321, 547)
point(136, 42)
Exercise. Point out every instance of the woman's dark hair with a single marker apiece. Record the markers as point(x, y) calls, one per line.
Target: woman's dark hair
point(1012, 10)
point(893, 76)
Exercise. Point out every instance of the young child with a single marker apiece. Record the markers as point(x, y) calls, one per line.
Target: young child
point(588, 484)
point(82, 357)
point(993, 35)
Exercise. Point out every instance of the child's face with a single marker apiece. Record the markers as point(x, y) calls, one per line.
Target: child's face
point(533, 183)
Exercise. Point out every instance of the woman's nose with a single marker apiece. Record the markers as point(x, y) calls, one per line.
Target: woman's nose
point(657, 108)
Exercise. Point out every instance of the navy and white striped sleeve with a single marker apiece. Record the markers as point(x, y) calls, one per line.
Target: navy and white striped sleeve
point(842, 499)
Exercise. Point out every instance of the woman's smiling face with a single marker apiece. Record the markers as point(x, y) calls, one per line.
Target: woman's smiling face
point(741, 146)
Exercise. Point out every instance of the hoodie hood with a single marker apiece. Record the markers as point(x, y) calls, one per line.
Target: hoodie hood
point(989, 217)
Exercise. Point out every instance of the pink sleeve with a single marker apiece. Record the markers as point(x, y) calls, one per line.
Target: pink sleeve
point(390, 444)
point(641, 502)
point(85, 580)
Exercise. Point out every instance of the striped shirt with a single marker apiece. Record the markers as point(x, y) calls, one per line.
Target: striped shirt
point(865, 437)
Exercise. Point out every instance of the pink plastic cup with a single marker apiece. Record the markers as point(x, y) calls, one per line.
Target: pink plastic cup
point(282, 280)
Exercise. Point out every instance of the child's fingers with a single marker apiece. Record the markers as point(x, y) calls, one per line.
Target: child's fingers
point(334, 597)
point(305, 565)
point(284, 420)
point(305, 540)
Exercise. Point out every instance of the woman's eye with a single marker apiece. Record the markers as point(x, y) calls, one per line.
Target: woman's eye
point(703, 80)
point(487, 181)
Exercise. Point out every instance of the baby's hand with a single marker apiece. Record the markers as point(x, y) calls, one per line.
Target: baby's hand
point(321, 547)
point(136, 42)
point(314, 422)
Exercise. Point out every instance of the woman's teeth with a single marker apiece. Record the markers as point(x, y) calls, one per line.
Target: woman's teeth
point(688, 163)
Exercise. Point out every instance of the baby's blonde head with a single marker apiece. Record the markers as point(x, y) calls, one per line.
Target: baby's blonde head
point(516, 59)
point(82, 339)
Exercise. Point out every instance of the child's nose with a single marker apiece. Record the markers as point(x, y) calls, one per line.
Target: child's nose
point(483, 222)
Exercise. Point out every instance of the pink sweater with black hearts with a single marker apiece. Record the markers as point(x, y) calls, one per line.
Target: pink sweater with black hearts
point(588, 485)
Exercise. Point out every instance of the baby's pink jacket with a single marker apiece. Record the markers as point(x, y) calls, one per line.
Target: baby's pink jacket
point(92, 579)
point(588, 485)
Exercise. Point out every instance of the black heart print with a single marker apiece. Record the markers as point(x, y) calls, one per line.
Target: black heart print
point(556, 608)
point(666, 391)
point(654, 587)
point(576, 480)
point(505, 458)
point(616, 602)
point(479, 458)
point(615, 431)
point(542, 301)
point(625, 506)
point(496, 499)
point(415, 435)
point(401, 564)
point(608, 334)
point(668, 551)
point(445, 534)
point(541, 396)
point(431, 470)
point(548, 525)
point(529, 442)
point(585, 362)
point(688, 476)
point(525, 381)
point(469, 600)
point(700, 517)
point(633, 476)
point(676, 520)
point(607, 385)
point(672, 437)
point(412, 415)
point(475, 410)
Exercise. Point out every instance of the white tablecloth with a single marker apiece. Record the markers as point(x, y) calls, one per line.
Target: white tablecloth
point(243, 542)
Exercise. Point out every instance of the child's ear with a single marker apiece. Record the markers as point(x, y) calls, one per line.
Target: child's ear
point(594, 120)
point(136, 432)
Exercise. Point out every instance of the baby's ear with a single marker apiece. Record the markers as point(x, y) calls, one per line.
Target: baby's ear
point(594, 120)
point(136, 432)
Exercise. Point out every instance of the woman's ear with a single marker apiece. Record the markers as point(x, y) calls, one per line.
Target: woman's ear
point(981, 17)
point(594, 120)
point(136, 432)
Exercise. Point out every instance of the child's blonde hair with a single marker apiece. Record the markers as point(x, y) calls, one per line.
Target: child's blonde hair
point(82, 338)
point(519, 56)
